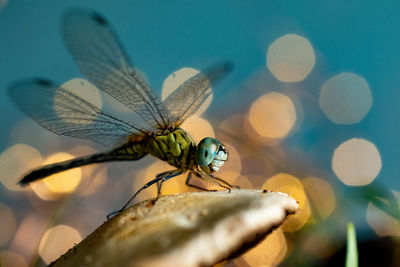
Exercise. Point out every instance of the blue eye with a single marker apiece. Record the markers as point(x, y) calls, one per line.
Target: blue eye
point(210, 154)
point(206, 151)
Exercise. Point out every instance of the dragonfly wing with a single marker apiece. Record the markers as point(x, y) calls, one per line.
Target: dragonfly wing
point(101, 58)
point(65, 113)
point(189, 96)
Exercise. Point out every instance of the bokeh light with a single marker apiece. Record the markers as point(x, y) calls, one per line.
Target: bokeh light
point(11, 259)
point(59, 184)
point(272, 115)
point(382, 223)
point(85, 90)
point(64, 182)
point(292, 186)
point(56, 241)
point(43, 192)
point(8, 224)
point(345, 98)
point(31, 228)
point(356, 162)
point(270, 252)
point(321, 195)
point(198, 128)
point(253, 135)
point(290, 58)
point(174, 80)
point(16, 161)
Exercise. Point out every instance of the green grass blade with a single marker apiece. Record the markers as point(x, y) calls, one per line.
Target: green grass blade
point(352, 252)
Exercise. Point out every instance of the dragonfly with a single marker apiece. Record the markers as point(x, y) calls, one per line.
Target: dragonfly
point(99, 55)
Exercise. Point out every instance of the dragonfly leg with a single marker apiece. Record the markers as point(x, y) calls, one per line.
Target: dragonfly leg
point(164, 177)
point(196, 186)
point(225, 182)
point(159, 185)
point(160, 178)
point(208, 178)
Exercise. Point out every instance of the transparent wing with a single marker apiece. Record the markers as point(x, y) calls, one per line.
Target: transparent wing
point(188, 97)
point(101, 58)
point(62, 112)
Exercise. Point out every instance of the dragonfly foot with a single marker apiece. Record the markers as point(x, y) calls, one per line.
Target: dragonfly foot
point(112, 214)
point(153, 201)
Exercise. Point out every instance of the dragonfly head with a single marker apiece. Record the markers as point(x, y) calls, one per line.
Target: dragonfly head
point(211, 154)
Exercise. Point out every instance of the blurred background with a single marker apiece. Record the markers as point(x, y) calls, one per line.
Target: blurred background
point(311, 109)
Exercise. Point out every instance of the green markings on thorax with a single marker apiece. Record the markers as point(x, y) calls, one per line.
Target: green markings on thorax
point(174, 147)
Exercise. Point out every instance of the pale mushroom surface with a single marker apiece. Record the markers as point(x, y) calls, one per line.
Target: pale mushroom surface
point(191, 229)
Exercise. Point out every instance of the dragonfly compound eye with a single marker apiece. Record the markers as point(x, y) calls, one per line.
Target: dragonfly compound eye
point(211, 154)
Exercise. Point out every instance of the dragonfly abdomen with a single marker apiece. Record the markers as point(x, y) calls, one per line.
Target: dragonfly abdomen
point(177, 148)
point(51, 169)
point(126, 152)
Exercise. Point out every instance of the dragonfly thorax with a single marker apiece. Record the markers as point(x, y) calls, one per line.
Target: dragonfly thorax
point(176, 147)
